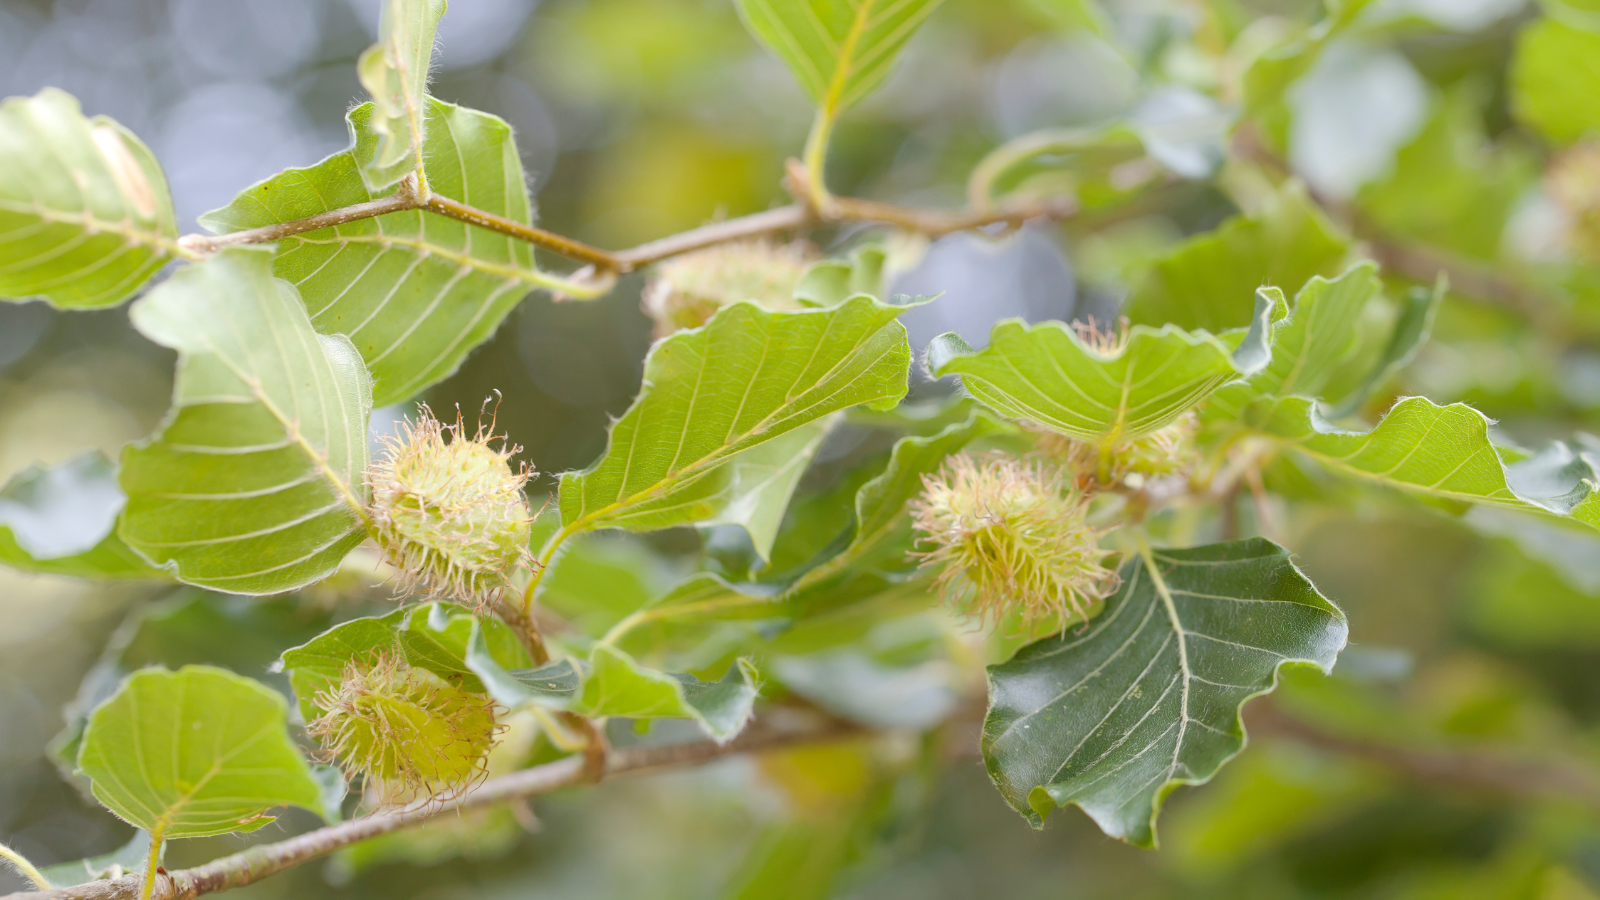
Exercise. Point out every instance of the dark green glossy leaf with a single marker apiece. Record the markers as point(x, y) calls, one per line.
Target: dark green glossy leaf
point(1147, 697)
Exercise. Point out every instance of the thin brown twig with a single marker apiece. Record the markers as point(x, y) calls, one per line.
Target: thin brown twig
point(260, 861)
point(538, 237)
point(1470, 768)
point(931, 222)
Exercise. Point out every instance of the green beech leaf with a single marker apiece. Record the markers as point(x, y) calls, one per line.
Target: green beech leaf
point(876, 547)
point(616, 685)
point(1206, 281)
point(871, 555)
point(195, 752)
point(611, 683)
point(1554, 77)
point(762, 479)
point(1047, 375)
point(830, 282)
point(554, 685)
point(190, 627)
point(1321, 334)
point(85, 214)
point(129, 858)
point(255, 482)
point(395, 72)
point(1441, 452)
point(746, 378)
point(1309, 345)
point(414, 291)
point(839, 50)
point(1147, 697)
point(63, 521)
point(435, 637)
point(1411, 330)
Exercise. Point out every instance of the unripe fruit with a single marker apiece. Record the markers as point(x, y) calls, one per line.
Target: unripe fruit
point(450, 515)
point(1168, 451)
point(1012, 542)
point(686, 291)
point(411, 734)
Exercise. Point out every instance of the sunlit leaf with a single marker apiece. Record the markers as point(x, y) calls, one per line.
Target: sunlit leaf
point(839, 50)
point(1320, 335)
point(192, 627)
point(1438, 451)
point(63, 521)
point(1049, 375)
point(1208, 280)
point(1411, 330)
point(395, 72)
point(745, 378)
point(195, 752)
point(85, 214)
point(415, 292)
point(1554, 77)
point(1115, 717)
point(255, 482)
point(869, 556)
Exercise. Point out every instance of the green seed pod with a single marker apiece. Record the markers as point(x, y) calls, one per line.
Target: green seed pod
point(450, 515)
point(1011, 542)
point(411, 734)
point(1168, 451)
point(686, 291)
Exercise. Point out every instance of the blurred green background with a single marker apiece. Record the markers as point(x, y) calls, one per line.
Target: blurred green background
point(1473, 638)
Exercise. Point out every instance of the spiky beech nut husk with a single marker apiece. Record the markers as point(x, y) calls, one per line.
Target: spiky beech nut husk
point(1167, 451)
point(410, 733)
point(449, 512)
point(686, 291)
point(1010, 541)
point(1573, 181)
point(1104, 338)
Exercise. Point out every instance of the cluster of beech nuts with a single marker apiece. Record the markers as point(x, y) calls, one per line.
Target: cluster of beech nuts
point(1008, 538)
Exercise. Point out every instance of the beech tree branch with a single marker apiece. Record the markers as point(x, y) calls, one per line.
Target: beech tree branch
point(796, 216)
point(258, 862)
